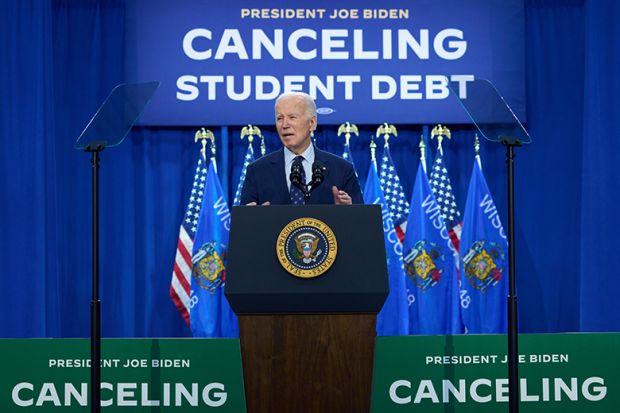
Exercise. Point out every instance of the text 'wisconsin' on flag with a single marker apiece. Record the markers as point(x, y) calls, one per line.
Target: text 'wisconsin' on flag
point(430, 266)
point(484, 250)
point(393, 319)
point(210, 313)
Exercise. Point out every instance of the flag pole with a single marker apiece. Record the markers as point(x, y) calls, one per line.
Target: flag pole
point(513, 333)
point(422, 152)
point(95, 306)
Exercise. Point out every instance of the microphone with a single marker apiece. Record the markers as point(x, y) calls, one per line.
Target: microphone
point(318, 174)
point(296, 175)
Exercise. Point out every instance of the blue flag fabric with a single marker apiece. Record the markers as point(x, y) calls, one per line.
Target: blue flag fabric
point(484, 253)
point(393, 319)
point(249, 158)
point(430, 265)
point(210, 313)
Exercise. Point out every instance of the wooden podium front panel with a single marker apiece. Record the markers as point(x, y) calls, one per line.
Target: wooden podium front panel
point(301, 363)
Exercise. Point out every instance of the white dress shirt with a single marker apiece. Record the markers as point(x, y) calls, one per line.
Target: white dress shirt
point(307, 162)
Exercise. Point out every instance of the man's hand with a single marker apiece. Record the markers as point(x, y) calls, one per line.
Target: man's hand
point(254, 203)
point(341, 197)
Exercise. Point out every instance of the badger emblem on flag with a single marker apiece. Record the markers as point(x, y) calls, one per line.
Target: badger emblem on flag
point(484, 264)
point(424, 264)
point(209, 270)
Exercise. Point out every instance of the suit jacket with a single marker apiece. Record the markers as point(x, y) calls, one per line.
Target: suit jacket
point(265, 180)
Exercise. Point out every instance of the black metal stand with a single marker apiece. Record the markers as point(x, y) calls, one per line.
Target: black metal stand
point(513, 333)
point(95, 305)
point(113, 120)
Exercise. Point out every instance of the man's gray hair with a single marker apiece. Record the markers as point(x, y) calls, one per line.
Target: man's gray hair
point(306, 98)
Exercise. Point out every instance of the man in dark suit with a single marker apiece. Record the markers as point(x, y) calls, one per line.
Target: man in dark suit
point(267, 180)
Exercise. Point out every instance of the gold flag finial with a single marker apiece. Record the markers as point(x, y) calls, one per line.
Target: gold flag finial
point(201, 135)
point(440, 131)
point(348, 128)
point(250, 131)
point(386, 130)
point(205, 134)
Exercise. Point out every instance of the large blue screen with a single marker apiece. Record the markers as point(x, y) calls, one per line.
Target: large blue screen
point(363, 61)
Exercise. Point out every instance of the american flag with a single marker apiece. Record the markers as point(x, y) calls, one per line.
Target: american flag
point(442, 189)
point(394, 194)
point(181, 275)
point(249, 158)
point(346, 154)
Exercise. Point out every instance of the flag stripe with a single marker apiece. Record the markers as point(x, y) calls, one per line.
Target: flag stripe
point(181, 276)
point(181, 306)
point(180, 283)
point(455, 236)
point(182, 292)
point(184, 249)
point(401, 229)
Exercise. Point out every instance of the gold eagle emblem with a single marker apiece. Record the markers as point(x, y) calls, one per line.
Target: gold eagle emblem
point(306, 244)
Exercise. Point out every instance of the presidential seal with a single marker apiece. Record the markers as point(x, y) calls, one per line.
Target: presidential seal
point(484, 265)
point(425, 264)
point(208, 267)
point(306, 247)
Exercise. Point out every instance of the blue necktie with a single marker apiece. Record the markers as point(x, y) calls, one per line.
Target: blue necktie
point(297, 196)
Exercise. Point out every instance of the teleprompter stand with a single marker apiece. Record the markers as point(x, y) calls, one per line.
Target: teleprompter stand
point(496, 121)
point(307, 345)
point(107, 128)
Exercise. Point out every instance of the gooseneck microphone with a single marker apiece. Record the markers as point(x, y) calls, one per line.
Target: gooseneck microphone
point(318, 174)
point(297, 173)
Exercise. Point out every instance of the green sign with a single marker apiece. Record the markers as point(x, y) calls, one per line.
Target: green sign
point(138, 375)
point(558, 373)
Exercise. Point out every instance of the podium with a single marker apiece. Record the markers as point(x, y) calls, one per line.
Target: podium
point(307, 340)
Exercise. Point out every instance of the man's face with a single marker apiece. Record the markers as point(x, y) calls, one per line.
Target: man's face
point(294, 124)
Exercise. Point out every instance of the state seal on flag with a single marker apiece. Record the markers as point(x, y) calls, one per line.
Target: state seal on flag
point(306, 247)
point(484, 264)
point(208, 267)
point(424, 264)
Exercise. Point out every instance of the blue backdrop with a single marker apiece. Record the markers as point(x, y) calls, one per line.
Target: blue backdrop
point(59, 60)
